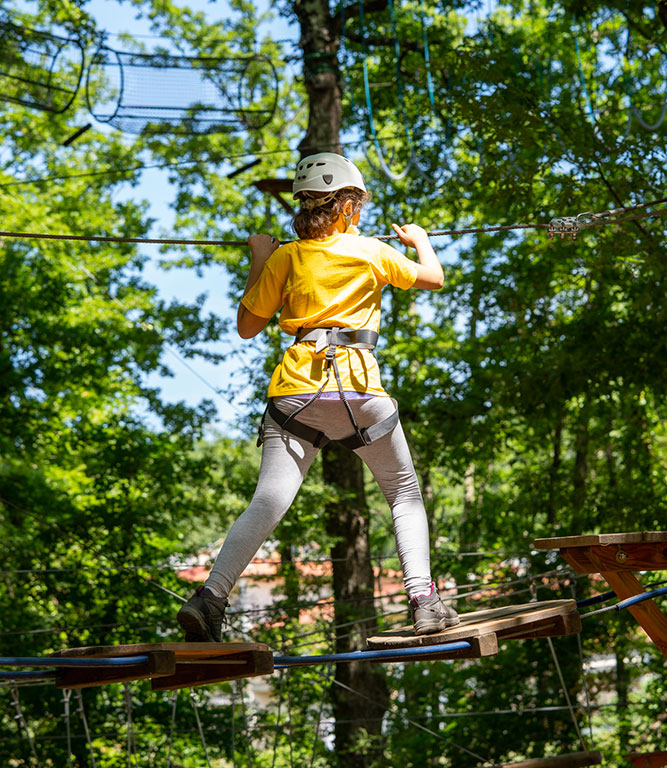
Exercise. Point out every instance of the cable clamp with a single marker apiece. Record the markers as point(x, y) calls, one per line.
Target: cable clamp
point(569, 225)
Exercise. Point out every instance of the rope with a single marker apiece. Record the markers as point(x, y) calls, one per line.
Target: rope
point(277, 728)
point(304, 560)
point(399, 78)
point(131, 742)
point(38, 661)
point(434, 233)
point(239, 683)
point(369, 103)
point(566, 694)
point(288, 694)
point(520, 711)
point(651, 127)
point(19, 677)
point(22, 723)
point(605, 596)
point(584, 676)
point(118, 239)
point(174, 702)
point(634, 600)
point(137, 168)
point(193, 699)
point(562, 679)
point(582, 79)
point(394, 708)
point(84, 720)
point(67, 694)
point(280, 662)
point(427, 57)
point(234, 721)
point(317, 730)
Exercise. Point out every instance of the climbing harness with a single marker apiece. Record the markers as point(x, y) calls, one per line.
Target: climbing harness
point(331, 338)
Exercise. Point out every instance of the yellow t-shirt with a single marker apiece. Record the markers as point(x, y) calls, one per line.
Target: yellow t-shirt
point(334, 281)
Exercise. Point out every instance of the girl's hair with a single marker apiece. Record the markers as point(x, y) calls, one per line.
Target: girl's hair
point(312, 223)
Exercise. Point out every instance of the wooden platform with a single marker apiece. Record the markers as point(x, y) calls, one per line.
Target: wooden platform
point(647, 759)
point(277, 188)
point(570, 760)
point(484, 628)
point(169, 665)
point(615, 556)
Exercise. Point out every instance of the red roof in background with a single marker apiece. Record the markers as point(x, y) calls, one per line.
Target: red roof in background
point(391, 580)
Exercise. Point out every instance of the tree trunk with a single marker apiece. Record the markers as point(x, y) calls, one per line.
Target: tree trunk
point(320, 42)
point(554, 471)
point(347, 519)
point(580, 470)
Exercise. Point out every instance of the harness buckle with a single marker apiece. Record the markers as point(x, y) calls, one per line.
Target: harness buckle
point(332, 340)
point(363, 434)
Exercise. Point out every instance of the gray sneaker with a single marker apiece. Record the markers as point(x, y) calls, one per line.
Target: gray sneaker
point(430, 615)
point(202, 617)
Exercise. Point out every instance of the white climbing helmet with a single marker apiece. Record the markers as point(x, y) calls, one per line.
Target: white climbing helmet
point(326, 172)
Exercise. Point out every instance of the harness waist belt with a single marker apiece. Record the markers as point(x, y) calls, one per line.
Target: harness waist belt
point(357, 338)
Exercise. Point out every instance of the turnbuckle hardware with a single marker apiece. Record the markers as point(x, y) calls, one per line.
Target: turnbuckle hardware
point(569, 225)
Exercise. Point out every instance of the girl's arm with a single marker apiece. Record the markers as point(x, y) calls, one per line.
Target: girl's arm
point(429, 271)
point(261, 247)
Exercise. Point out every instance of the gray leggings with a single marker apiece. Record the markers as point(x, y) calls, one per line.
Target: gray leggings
point(285, 461)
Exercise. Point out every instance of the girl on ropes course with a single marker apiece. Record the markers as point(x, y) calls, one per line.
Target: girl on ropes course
point(328, 284)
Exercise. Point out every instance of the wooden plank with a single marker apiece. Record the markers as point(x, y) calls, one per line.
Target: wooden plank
point(626, 557)
point(601, 539)
point(571, 760)
point(647, 759)
point(509, 619)
point(181, 651)
point(179, 664)
point(484, 645)
point(579, 559)
point(567, 624)
point(191, 674)
point(159, 664)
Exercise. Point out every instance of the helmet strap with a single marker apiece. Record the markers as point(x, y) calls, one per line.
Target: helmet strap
point(308, 203)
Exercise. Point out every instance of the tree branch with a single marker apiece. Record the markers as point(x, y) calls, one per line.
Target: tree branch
point(353, 11)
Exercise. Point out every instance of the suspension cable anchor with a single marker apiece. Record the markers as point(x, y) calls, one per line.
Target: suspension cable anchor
point(569, 225)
